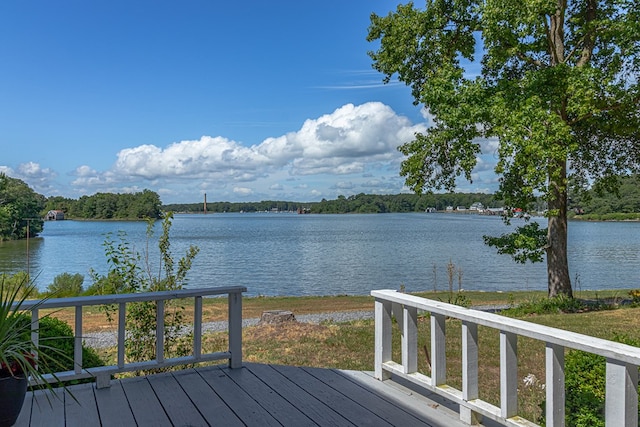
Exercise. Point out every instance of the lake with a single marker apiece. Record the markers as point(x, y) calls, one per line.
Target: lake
point(290, 254)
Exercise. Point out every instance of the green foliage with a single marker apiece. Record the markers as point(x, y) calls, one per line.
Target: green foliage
point(555, 305)
point(585, 384)
point(526, 243)
point(141, 205)
point(598, 203)
point(17, 352)
point(128, 274)
point(558, 89)
point(58, 337)
point(66, 285)
point(20, 209)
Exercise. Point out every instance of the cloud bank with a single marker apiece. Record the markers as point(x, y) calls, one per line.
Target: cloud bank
point(351, 150)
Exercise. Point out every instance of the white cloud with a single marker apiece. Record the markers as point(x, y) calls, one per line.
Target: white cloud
point(39, 178)
point(243, 191)
point(338, 143)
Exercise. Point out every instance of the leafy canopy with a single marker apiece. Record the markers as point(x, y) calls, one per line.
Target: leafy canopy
point(553, 84)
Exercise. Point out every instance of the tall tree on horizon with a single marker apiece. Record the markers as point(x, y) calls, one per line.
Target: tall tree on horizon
point(559, 89)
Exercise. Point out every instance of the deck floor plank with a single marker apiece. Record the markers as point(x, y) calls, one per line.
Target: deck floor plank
point(320, 413)
point(144, 403)
point(351, 410)
point(210, 405)
point(176, 403)
point(243, 405)
point(254, 395)
point(47, 410)
point(80, 409)
point(113, 407)
point(367, 398)
point(280, 408)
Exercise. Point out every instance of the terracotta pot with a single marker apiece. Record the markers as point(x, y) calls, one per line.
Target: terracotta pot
point(12, 392)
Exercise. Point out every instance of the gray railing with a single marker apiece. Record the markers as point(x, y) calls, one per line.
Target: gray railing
point(622, 361)
point(103, 373)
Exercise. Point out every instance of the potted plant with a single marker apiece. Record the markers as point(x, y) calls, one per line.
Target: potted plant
point(19, 356)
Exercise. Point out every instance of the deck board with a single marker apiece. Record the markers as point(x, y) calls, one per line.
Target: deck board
point(246, 408)
point(210, 405)
point(81, 409)
point(254, 395)
point(355, 413)
point(176, 403)
point(113, 406)
point(280, 408)
point(144, 403)
point(367, 398)
point(317, 411)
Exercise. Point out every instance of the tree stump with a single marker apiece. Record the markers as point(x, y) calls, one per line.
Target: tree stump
point(277, 317)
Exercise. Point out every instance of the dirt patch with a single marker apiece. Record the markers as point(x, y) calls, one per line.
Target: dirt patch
point(288, 331)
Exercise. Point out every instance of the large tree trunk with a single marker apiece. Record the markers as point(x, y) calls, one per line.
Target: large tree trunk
point(557, 262)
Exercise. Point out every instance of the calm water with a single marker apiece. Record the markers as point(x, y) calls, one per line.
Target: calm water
point(288, 254)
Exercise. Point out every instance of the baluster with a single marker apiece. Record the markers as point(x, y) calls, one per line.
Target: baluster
point(438, 350)
point(469, 371)
point(235, 329)
point(555, 388)
point(409, 339)
point(77, 344)
point(621, 401)
point(382, 352)
point(508, 374)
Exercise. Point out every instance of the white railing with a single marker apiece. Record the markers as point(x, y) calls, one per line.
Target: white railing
point(622, 361)
point(103, 373)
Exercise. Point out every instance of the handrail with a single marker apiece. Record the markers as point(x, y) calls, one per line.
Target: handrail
point(622, 361)
point(103, 373)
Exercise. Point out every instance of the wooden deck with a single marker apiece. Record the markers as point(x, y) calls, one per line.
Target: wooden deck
point(255, 395)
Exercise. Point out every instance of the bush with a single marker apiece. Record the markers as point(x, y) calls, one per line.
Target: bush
point(585, 384)
point(555, 305)
point(66, 285)
point(57, 334)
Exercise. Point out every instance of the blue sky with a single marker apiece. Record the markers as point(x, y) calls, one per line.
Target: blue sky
point(244, 101)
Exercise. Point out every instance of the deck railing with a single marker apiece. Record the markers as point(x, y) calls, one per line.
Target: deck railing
point(622, 361)
point(103, 373)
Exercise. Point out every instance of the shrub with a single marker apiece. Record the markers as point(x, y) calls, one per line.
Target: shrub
point(56, 337)
point(559, 304)
point(585, 384)
point(66, 285)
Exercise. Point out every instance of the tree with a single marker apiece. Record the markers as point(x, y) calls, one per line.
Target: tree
point(20, 209)
point(558, 89)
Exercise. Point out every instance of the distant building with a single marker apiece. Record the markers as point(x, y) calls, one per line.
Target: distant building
point(55, 215)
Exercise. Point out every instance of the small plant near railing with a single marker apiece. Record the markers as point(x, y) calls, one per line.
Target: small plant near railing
point(131, 272)
point(585, 382)
point(635, 297)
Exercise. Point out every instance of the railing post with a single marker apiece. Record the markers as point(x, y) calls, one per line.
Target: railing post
point(409, 339)
point(197, 327)
point(555, 387)
point(35, 325)
point(508, 374)
point(438, 350)
point(621, 401)
point(382, 338)
point(77, 341)
point(235, 329)
point(160, 331)
point(122, 321)
point(469, 371)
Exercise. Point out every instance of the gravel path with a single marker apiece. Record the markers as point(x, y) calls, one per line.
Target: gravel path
point(109, 339)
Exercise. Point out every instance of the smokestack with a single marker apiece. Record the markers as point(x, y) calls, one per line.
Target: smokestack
point(205, 203)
